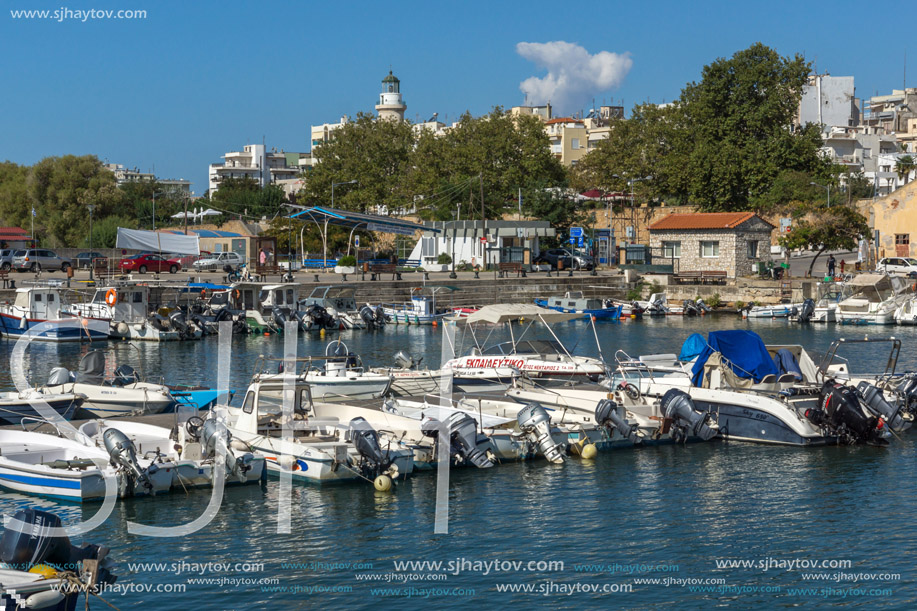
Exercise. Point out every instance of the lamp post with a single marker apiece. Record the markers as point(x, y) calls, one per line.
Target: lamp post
point(154, 208)
point(828, 187)
point(91, 265)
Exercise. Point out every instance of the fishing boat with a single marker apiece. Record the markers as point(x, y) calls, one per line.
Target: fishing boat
point(421, 310)
point(75, 469)
point(191, 447)
point(340, 302)
point(30, 551)
point(16, 405)
point(573, 302)
point(874, 299)
point(547, 359)
point(267, 308)
point(337, 376)
point(294, 443)
point(124, 393)
point(40, 313)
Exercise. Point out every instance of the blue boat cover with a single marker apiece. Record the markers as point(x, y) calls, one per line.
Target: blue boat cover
point(785, 362)
point(744, 350)
point(693, 346)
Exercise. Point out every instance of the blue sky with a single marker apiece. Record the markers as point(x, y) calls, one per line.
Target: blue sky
point(193, 80)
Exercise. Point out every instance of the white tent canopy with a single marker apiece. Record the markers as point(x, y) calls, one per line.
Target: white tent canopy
point(183, 215)
point(139, 239)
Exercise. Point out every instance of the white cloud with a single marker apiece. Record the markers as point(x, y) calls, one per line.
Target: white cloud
point(573, 74)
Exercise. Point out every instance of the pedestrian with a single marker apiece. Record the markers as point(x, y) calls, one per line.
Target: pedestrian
point(831, 263)
point(263, 257)
point(843, 265)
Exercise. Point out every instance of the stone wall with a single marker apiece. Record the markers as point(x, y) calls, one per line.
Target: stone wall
point(733, 249)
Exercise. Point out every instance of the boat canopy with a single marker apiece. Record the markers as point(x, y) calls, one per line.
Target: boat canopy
point(693, 346)
point(509, 312)
point(744, 351)
point(92, 368)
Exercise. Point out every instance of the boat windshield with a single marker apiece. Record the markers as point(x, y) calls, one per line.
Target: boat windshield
point(535, 346)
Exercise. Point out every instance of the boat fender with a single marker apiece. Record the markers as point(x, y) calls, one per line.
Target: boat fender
point(43, 600)
point(589, 451)
point(203, 293)
point(383, 483)
point(111, 297)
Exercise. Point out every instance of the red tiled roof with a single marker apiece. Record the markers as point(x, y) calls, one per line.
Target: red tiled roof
point(704, 220)
point(12, 230)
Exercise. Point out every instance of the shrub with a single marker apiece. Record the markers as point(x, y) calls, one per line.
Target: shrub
point(444, 259)
point(347, 261)
point(715, 301)
point(740, 304)
point(635, 293)
point(655, 287)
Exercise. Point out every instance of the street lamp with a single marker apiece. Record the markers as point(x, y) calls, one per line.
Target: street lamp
point(154, 208)
point(828, 187)
point(91, 264)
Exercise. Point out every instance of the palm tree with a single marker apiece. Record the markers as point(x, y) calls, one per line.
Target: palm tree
point(904, 167)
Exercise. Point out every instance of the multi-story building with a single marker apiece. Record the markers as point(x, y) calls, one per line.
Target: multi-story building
point(829, 101)
point(568, 138)
point(542, 112)
point(892, 113)
point(256, 162)
point(598, 124)
point(324, 132)
point(123, 175)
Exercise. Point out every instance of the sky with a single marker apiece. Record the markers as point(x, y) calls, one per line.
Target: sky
point(174, 91)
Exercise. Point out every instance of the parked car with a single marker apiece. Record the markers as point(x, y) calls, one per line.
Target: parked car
point(148, 262)
point(898, 265)
point(85, 259)
point(6, 259)
point(37, 259)
point(217, 261)
point(575, 260)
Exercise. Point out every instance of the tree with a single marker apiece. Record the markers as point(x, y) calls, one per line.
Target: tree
point(15, 204)
point(904, 166)
point(834, 228)
point(375, 153)
point(858, 186)
point(105, 231)
point(60, 189)
point(246, 197)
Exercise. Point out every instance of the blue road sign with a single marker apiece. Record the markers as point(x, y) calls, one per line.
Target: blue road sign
point(576, 232)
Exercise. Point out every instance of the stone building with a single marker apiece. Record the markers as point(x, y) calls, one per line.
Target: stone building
point(733, 242)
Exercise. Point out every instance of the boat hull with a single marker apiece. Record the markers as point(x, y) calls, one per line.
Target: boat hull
point(60, 330)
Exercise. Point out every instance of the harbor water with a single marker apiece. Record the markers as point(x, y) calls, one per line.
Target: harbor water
point(701, 525)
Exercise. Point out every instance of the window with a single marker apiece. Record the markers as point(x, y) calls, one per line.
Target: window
point(752, 249)
point(249, 403)
point(671, 250)
point(574, 143)
point(137, 297)
point(50, 297)
point(709, 250)
point(37, 297)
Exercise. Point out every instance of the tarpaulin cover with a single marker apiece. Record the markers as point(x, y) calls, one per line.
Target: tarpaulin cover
point(693, 346)
point(158, 241)
point(786, 363)
point(92, 368)
point(744, 350)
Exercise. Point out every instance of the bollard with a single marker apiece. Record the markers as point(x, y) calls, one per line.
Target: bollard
point(316, 277)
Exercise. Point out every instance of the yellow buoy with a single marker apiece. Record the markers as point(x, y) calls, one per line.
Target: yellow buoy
point(383, 483)
point(321, 333)
point(589, 451)
point(633, 316)
point(44, 570)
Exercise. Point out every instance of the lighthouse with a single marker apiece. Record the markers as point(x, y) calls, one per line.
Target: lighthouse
point(390, 105)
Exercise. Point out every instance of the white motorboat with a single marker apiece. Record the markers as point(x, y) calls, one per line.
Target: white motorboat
point(546, 359)
point(40, 312)
point(311, 451)
point(123, 394)
point(421, 310)
point(190, 447)
point(874, 299)
point(774, 310)
point(16, 405)
point(906, 314)
point(337, 376)
point(74, 470)
point(829, 295)
point(656, 305)
point(409, 380)
point(126, 307)
point(340, 302)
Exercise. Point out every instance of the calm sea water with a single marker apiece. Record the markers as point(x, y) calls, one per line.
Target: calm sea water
point(631, 529)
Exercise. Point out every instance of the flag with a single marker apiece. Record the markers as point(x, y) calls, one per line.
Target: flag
point(33, 211)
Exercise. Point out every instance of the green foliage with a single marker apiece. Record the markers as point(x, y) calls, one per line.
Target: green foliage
point(377, 154)
point(858, 186)
point(637, 292)
point(347, 261)
point(904, 166)
point(740, 304)
point(655, 287)
point(444, 259)
point(835, 228)
point(714, 301)
point(245, 196)
point(105, 231)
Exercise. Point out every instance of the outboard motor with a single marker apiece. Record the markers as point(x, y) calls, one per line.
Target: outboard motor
point(875, 402)
point(124, 456)
point(807, 311)
point(381, 316)
point(158, 322)
point(840, 410)
point(305, 321)
point(466, 444)
point(211, 433)
point(278, 318)
point(366, 440)
point(26, 542)
point(403, 360)
point(60, 375)
point(907, 390)
point(125, 375)
point(177, 322)
point(606, 414)
point(678, 406)
point(701, 306)
point(369, 316)
point(690, 308)
point(535, 423)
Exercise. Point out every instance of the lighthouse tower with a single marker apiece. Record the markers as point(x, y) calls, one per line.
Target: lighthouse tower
point(390, 105)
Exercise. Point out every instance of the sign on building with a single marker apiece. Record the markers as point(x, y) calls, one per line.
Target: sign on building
point(786, 225)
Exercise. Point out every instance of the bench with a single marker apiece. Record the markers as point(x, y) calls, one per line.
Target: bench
point(261, 272)
point(384, 268)
point(713, 277)
point(687, 277)
point(510, 267)
point(5, 277)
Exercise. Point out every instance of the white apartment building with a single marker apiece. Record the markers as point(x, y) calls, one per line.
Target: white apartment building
point(124, 175)
point(256, 162)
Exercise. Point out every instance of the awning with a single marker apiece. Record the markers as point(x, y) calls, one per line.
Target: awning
point(358, 220)
point(155, 241)
point(509, 312)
